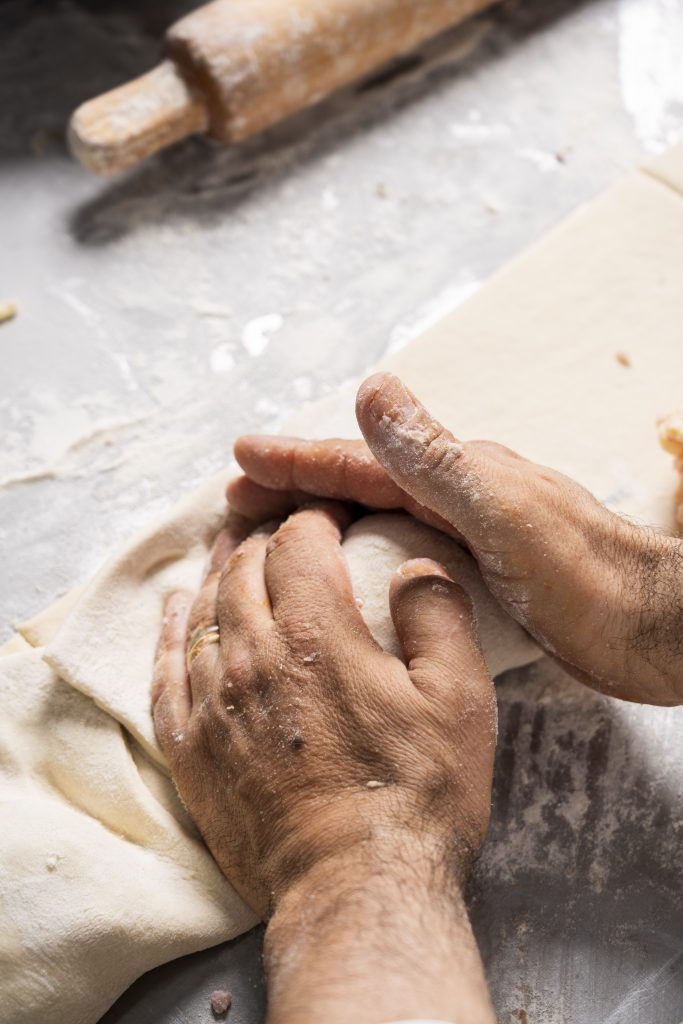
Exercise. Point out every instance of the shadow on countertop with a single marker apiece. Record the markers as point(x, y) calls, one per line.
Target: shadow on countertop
point(56, 57)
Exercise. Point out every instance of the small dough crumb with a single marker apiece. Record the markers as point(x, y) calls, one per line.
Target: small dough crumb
point(221, 1001)
point(51, 863)
point(623, 359)
point(375, 784)
point(671, 440)
point(8, 311)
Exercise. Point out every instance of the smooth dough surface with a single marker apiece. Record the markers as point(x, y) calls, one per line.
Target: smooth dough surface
point(91, 832)
point(375, 547)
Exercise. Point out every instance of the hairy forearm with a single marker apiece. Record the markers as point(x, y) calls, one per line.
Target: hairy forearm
point(653, 585)
point(373, 938)
point(630, 595)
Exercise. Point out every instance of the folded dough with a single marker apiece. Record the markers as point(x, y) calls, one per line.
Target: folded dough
point(102, 875)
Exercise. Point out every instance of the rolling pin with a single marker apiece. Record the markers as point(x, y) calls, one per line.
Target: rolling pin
point(235, 67)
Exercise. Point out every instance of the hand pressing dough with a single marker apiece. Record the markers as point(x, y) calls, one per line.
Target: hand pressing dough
point(122, 607)
point(102, 875)
point(90, 847)
point(375, 547)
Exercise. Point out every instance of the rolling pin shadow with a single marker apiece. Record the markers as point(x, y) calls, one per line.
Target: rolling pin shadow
point(235, 67)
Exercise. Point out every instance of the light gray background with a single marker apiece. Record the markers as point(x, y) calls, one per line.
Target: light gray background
point(141, 350)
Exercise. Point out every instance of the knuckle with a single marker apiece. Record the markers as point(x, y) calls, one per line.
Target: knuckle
point(441, 452)
point(303, 637)
point(236, 671)
point(318, 518)
point(203, 614)
point(291, 538)
point(249, 546)
point(282, 538)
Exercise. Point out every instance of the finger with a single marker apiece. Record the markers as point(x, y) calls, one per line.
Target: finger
point(258, 503)
point(243, 604)
point(204, 613)
point(435, 623)
point(424, 458)
point(171, 698)
point(307, 576)
point(344, 470)
point(204, 609)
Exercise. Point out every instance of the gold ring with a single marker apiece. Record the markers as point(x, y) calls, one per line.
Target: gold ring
point(202, 638)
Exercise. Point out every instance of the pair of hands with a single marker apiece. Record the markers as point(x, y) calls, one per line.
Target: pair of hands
point(311, 760)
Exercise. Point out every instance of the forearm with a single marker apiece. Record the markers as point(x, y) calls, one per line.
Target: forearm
point(626, 603)
point(370, 939)
point(653, 587)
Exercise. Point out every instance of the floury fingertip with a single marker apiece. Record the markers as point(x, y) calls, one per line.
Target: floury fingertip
point(393, 399)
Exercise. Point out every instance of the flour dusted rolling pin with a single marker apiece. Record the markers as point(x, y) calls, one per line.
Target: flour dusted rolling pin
point(234, 67)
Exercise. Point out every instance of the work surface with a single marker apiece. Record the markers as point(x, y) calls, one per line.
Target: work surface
point(212, 291)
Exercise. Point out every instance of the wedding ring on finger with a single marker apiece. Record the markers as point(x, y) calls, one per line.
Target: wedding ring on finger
point(200, 639)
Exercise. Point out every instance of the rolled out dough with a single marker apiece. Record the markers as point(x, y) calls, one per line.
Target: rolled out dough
point(101, 875)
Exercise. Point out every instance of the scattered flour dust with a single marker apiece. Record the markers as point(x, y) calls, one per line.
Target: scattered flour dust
point(651, 69)
point(257, 333)
point(222, 359)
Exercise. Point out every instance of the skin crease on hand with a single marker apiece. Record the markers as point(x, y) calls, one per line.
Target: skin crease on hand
point(600, 594)
point(342, 792)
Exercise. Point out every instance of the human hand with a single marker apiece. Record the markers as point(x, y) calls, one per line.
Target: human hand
point(601, 595)
point(334, 785)
point(297, 736)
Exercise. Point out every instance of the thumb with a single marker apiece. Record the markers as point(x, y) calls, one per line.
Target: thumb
point(421, 456)
point(435, 623)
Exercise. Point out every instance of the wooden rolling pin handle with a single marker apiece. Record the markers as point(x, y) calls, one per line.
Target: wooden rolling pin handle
point(149, 113)
point(235, 67)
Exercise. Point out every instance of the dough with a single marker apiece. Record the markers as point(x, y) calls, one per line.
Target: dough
point(377, 545)
point(671, 440)
point(101, 875)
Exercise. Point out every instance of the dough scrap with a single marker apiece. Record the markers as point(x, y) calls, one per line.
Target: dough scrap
point(671, 440)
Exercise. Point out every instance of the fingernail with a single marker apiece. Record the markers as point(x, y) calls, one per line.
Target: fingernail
point(395, 402)
point(417, 567)
point(403, 403)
